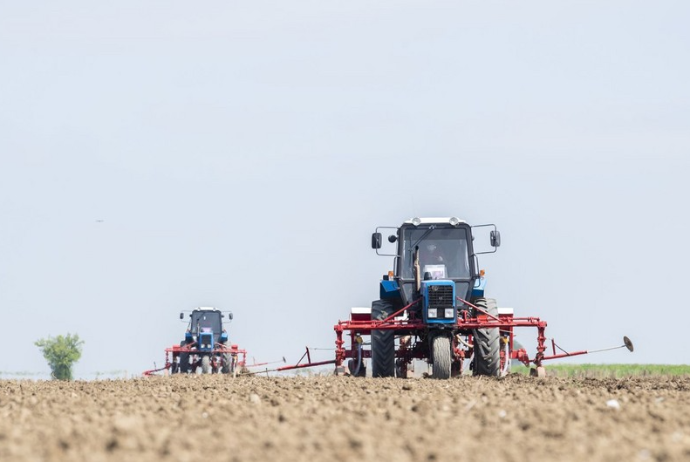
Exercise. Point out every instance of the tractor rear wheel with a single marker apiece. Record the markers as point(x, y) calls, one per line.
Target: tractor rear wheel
point(382, 342)
point(205, 364)
point(487, 347)
point(440, 352)
point(184, 361)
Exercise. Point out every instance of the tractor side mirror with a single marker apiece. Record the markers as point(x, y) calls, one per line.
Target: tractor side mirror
point(230, 316)
point(181, 315)
point(495, 237)
point(376, 240)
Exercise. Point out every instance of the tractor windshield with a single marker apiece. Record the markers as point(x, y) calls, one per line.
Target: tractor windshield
point(206, 321)
point(443, 252)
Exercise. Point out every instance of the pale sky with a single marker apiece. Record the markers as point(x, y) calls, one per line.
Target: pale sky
point(240, 154)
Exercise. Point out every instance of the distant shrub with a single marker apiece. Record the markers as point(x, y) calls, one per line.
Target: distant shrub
point(61, 353)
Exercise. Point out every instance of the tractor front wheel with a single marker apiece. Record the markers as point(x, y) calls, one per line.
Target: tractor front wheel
point(382, 342)
point(441, 354)
point(487, 346)
point(205, 364)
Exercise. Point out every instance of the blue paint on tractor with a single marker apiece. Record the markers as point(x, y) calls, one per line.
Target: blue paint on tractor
point(439, 297)
point(389, 289)
point(478, 289)
point(205, 341)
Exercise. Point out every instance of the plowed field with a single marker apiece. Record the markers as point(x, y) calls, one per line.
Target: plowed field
point(194, 418)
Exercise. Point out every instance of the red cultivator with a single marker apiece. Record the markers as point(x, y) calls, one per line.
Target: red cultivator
point(222, 359)
point(411, 347)
point(204, 347)
point(406, 325)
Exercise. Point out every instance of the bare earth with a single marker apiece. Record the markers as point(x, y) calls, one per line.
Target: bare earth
point(190, 418)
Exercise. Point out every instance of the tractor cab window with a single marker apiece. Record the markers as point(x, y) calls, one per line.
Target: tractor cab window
point(443, 253)
point(206, 321)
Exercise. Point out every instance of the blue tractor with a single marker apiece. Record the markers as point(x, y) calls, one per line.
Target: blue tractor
point(433, 299)
point(205, 344)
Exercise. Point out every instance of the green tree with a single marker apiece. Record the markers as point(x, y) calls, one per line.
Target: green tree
point(61, 353)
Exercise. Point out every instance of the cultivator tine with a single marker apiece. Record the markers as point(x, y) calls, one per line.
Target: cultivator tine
point(298, 365)
point(627, 343)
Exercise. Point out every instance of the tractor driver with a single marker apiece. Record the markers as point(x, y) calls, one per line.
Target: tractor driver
point(430, 254)
point(432, 261)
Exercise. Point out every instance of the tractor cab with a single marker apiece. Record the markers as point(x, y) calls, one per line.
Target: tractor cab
point(206, 328)
point(434, 264)
point(206, 321)
point(435, 261)
point(432, 252)
point(432, 249)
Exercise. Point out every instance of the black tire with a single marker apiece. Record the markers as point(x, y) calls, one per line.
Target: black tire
point(441, 354)
point(226, 364)
point(205, 364)
point(352, 367)
point(184, 361)
point(487, 352)
point(382, 342)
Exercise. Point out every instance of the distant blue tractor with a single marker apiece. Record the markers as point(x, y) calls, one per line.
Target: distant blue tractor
point(204, 345)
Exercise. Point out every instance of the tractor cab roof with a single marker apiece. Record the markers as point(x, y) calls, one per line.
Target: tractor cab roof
point(206, 308)
point(434, 220)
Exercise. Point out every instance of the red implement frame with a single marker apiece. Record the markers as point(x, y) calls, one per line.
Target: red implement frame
point(299, 365)
point(219, 349)
point(359, 327)
point(505, 322)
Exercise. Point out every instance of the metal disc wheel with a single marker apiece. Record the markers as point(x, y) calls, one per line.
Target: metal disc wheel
point(487, 346)
point(205, 364)
point(440, 351)
point(382, 342)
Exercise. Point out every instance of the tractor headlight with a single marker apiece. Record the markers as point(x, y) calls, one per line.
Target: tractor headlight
point(432, 313)
point(448, 313)
point(454, 221)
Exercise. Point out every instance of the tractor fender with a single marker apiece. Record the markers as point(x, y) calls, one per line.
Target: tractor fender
point(478, 289)
point(389, 289)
